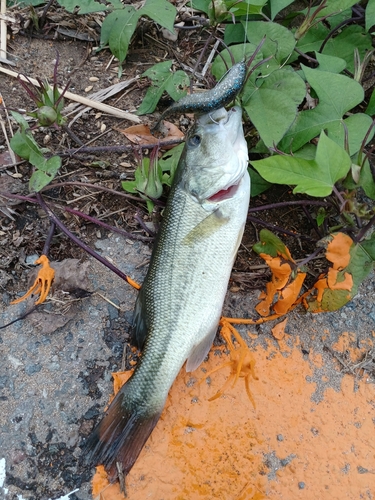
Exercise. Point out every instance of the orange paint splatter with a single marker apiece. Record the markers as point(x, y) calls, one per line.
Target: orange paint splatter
point(222, 449)
point(338, 250)
point(278, 331)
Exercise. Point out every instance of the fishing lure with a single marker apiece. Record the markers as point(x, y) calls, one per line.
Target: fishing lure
point(205, 102)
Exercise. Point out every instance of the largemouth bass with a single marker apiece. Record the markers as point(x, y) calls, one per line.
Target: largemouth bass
point(179, 305)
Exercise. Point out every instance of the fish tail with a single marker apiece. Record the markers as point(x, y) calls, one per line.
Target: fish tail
point(120, 435)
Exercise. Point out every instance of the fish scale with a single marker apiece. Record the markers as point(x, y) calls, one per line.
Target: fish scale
point(179, 305)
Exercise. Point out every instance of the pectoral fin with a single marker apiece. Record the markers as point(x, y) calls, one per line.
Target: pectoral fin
point(200, 351)
point(205, 228)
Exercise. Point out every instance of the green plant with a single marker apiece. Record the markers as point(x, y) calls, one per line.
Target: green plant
point(26, 147)
point(151, 174)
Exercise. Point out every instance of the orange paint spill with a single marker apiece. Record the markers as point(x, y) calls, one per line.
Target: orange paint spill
point(226, 449)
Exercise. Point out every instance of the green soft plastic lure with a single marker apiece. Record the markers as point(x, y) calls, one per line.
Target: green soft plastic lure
point(218, 97)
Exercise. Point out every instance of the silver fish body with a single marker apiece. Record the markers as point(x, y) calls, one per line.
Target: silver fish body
point(179, 305)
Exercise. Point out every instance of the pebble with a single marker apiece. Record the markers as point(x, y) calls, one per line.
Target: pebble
point(30, 259)
point(54, 367)
point(32, 368)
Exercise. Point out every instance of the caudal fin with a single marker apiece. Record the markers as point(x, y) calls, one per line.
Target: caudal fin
point(120, 435)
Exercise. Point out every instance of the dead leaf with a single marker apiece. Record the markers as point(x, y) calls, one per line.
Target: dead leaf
point(141, 134)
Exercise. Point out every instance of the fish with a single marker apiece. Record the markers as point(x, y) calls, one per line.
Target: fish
point(205, 102)
point(179, 305)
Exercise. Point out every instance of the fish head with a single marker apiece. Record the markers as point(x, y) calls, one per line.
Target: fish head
point(216, 157)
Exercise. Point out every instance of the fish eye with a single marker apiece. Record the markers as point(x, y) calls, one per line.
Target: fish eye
point(195, 140)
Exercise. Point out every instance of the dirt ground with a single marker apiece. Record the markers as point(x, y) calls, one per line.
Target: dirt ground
point(310, 430)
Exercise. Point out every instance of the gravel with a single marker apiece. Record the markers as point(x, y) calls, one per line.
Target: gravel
point(55, 377)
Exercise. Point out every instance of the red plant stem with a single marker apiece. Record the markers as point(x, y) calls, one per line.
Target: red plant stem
point(114, 229)
point(80, 243)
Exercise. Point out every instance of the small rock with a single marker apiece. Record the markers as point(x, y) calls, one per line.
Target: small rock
point(32, 368)
point(30, 259)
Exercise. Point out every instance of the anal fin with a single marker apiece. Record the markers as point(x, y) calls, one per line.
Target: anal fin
point(200, 351)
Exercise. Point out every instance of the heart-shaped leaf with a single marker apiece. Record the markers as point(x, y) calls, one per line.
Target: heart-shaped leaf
point(337, 94)
point(272, 107)
point(314, 177)
point(163, 79)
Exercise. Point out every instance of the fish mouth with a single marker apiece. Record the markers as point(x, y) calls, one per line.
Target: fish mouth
point(224, 194)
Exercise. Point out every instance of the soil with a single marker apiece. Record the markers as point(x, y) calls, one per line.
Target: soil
point(309, 432)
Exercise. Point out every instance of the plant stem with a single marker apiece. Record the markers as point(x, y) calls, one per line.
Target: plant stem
point(282, 204)
point(53, 218)
point(47, 243)
point(310, 257)
point(117, 149)
point(364, 230)
point(113, 229)
point(277, 228)
point(92, 186)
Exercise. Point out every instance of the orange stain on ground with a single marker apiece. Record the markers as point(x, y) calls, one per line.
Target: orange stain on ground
point(224, 449)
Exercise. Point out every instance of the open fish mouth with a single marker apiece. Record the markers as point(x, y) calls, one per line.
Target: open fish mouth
point(224, 194)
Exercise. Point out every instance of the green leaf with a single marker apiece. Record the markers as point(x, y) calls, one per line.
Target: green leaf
point(357, 125)
point(38, 181)
point(117, 30)
point(45, 173)
point(24, 145)
point(258, 184)
point(202, 5)
point(367, 181)
point(336, 6)
point(234, 33)
point(271, 244)
point(368, 246)
point(272, 107)
point(370, 14)
point(277, 6)
point(361, 261)
point(163, 79)
point(337, 94)
point(129, 186)
point(20, 120)
point(253, 7)
point(279, 41)
point(223, 61)
point(85, 6)
point(161, 11)
point(169, 161)
point(313, 39)
point(331, 64)
point(370, 110)
point(313, 177)
point(321, 216)
point(51, 166)
point(343, 45)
